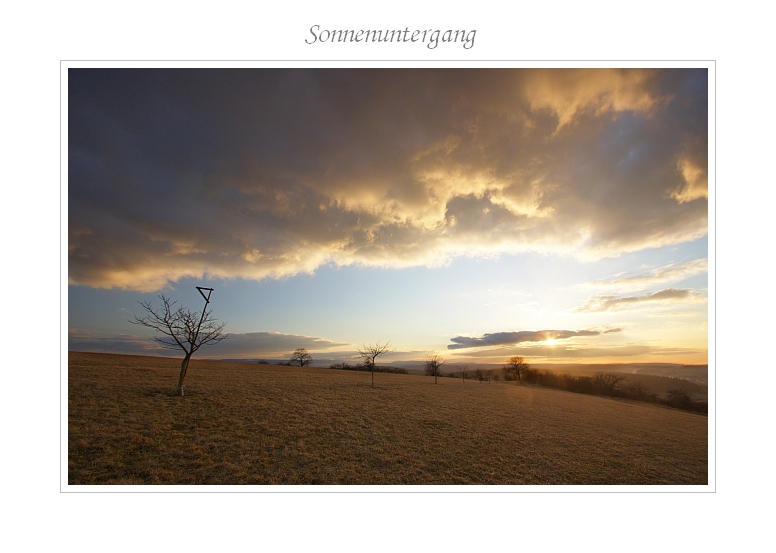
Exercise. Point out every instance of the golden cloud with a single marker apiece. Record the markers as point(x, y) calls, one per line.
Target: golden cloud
point(267, 173)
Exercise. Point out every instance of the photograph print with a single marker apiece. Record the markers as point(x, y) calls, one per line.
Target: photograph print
point(364, 277)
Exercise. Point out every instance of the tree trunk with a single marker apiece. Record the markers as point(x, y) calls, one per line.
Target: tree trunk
point(182, 377)
point(373, 373)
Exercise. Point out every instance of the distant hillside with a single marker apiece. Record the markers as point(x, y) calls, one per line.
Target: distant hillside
point(698, 374)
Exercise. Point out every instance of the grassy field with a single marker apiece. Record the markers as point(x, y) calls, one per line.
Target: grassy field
point(266, 424)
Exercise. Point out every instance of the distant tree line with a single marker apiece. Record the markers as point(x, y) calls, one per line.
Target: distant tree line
point(517, 369)
point(367, 367)
point(601, 384)
point(302, 358)
point(480, 375)
point(611, 385)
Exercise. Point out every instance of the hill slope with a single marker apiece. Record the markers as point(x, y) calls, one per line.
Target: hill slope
point(264, 424)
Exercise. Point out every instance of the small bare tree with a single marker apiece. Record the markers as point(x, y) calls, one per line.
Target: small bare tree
point(434, 366)
point(301, 356)
point(516, 366)
point(464, 369)
point(182, 328)
point(372, 352)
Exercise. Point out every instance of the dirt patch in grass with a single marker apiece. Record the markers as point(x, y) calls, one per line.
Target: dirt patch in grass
point(266, 424)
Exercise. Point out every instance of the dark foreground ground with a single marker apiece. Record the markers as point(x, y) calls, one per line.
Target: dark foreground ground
point(266, 424)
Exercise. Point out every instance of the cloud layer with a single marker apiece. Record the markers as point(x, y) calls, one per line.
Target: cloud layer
point(614, 303)
point(237, 345)
point(667, 273)
point(512, 338)
point(266, 173)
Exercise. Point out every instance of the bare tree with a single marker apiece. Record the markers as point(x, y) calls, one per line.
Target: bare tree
point(516, 366)
point(301, 356)
point(434, 366)
point(464, 369)
point(182, 328)
point(372, 352)
point(609, 382)
point(478, 374)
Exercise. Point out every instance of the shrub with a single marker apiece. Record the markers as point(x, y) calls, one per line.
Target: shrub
point(679, 398)
point(609, 383)
point(531, 376)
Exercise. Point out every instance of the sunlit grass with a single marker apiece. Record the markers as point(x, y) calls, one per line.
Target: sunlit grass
point(265, 424)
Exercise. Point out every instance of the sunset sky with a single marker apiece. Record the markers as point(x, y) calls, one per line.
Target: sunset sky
point(557, 214)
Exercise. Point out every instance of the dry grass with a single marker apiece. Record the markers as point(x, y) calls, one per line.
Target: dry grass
point(264, 424)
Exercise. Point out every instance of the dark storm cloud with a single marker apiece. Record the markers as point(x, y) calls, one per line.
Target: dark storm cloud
point(511, 338)
point(257, 173)
point(613, 303)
